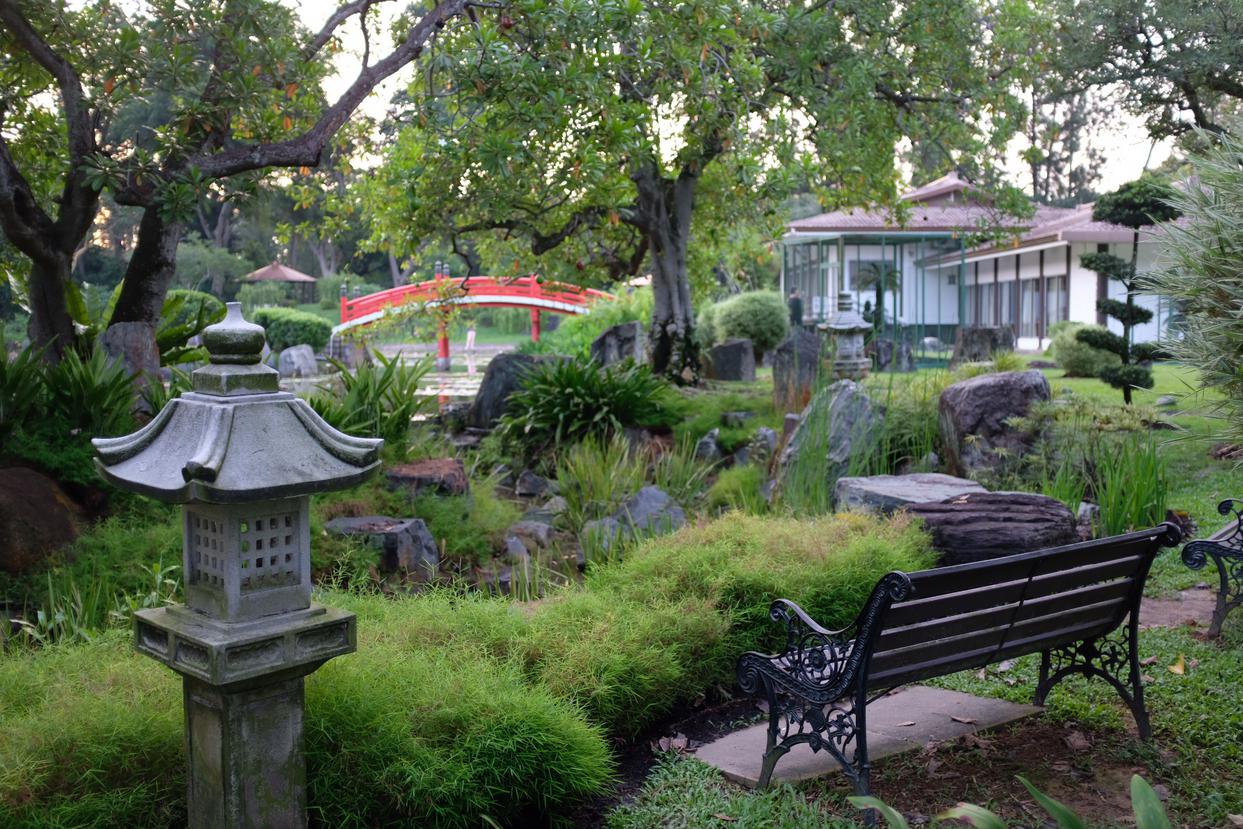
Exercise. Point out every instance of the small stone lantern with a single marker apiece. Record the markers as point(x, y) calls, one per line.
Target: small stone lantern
point(243, 458)
point(847, 329)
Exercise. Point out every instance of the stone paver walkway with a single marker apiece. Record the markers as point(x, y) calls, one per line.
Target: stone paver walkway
point(905, 720)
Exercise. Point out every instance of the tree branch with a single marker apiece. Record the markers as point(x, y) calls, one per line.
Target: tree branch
point(306, 149)
point(77, 113)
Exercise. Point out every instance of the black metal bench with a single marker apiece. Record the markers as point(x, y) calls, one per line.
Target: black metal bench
point(1226, 549)
point(1063, 603)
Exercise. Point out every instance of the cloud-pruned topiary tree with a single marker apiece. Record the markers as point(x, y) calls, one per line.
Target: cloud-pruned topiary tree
point(1137, 204)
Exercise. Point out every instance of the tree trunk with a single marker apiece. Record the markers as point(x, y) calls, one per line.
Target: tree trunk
point(50, 324)
point(664, 209)
point(150, 272)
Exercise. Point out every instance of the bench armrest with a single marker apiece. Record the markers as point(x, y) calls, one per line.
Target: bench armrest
point(819, 664)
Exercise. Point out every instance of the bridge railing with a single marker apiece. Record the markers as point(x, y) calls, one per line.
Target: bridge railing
point(499, 291)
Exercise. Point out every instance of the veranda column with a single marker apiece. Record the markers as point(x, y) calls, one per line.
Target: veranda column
point(243, 458)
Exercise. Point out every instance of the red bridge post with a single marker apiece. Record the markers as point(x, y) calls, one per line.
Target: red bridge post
point(535, 325)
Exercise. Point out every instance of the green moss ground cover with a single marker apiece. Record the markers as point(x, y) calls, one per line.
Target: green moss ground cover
point(455, 708)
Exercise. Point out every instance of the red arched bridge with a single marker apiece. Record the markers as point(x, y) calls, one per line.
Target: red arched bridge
point(487, 291)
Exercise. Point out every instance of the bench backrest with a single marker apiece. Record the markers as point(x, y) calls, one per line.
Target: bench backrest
point(972, 615)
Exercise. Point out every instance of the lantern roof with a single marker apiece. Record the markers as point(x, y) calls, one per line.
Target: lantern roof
point(236, 437)
point(846, 319)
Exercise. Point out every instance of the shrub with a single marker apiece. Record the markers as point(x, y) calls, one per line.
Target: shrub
point(705, 326)
point(21, 389)
point(254, 295)
point(380, 401)
point(760, 316)
point(1131, 484)
point(1075, 357)
point(573, 337)
point(94, 395)
point(398, 733)
point(562, 401)
point(288, 326)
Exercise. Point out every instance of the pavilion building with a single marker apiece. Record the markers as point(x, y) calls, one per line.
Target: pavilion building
point(933, 278)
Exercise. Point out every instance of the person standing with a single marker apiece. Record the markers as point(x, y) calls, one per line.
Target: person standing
point(470, 335)
point(796, 308)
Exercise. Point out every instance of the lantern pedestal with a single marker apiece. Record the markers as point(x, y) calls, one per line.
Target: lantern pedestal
point(243, 686)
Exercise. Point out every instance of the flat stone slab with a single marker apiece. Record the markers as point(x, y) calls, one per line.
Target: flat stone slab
point(905, 720)
point(886, 493)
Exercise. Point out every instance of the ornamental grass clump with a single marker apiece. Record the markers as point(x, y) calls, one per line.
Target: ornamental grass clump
point(562, 401)
point(458, 710)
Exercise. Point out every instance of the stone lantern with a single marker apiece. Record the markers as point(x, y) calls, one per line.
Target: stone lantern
point(243, 458)
point(847, 329)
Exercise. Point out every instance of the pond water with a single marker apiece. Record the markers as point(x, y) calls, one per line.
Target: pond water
point(460, 383)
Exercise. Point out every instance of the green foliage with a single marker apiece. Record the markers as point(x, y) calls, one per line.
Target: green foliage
point(1127, 376)
point(739, 488)
point(679, 473)
point(1114, 268)
point(92, 395)
point(288, 326)
point(470, 528)
point(759, 316)
point(596, 475)
point(561, 401)
point(256, 295)
point(1076, 357)
point(205, 267)
point(573, 337)
point(185, 314)
point(21, 389)
point(1146, 806)
point(1101, 339)
point(1131, 484)
point(1204, 279)
point(705, 325)
point(1140, 203)
point(685, 793)
point(454, 707)
point(380, 400)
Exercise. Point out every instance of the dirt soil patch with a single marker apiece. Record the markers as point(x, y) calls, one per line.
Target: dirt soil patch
point(1084, 770)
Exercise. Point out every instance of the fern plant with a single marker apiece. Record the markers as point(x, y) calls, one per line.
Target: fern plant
point(379, 400)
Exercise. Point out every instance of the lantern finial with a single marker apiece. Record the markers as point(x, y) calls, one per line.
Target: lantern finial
point(233, 340)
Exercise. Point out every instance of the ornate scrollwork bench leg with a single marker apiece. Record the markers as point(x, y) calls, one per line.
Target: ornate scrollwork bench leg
point(1227, 554)
point(1113, 658)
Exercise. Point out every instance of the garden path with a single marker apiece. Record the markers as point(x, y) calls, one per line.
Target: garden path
point(906, 719)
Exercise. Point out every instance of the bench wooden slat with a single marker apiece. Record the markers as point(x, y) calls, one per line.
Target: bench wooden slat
point(943, 580)
point(1100, 617)
point(978, 598)
point(976, 620)
point(902, 671)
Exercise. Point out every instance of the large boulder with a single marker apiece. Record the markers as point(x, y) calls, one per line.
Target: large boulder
point(405, 544)
point(442, 476)
point(983, 525)
point(298, 361)
point(37, 518)
point(621, 342)
point(887, 356)
point(650, 511)
point(974, 418)
point(502, 378)
point(978, 343)
point(796, 364)
point(839, 421)
point(886, 493)
point(732, 360)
